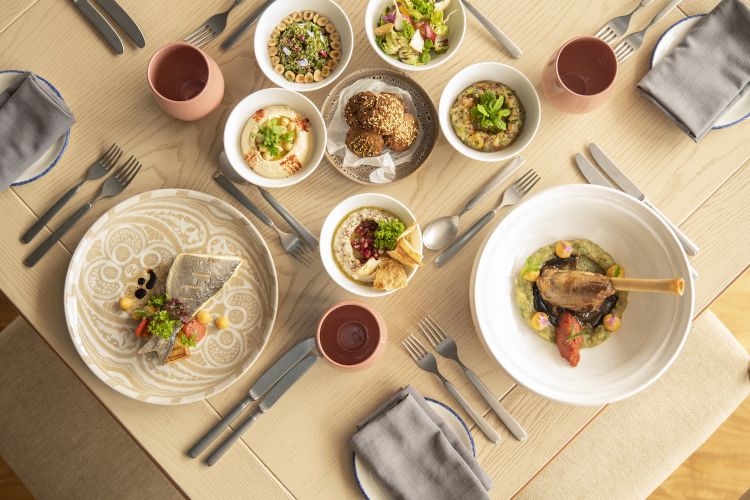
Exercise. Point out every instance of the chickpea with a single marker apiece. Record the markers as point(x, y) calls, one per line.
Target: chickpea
point(531, 276)
point(284, 121)
point(611, 322)
point(615, 271)
point(563, 249)
point(203, 317)
point(539, 321)
point(266, 156)
point(221, 322)
point(287, 146)
point(258, 139)
point(126, 303)
point(291, 127)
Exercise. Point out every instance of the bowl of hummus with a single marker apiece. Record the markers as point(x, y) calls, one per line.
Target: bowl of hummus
point(274, 138)
point(489, 111)
point(371, 245)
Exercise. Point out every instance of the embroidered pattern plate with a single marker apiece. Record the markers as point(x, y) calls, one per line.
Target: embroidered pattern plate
point(146, 232)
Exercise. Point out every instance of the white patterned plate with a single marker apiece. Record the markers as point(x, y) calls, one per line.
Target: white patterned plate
point(148, 231)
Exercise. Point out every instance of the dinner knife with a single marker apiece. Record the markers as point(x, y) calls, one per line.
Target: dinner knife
point(272, 375)
point(493, 30)
point(278, 390)
point(298, 228)
point(124, 20)
point(246, 25)
point(223, 181)
point(101, 24)
point(627, 185)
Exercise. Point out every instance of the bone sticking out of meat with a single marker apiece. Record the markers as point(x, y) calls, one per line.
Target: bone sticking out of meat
point(670, 285)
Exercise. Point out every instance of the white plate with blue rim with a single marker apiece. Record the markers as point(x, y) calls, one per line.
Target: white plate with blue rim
point(52, 156)
point(740, 110)
point(373, 488)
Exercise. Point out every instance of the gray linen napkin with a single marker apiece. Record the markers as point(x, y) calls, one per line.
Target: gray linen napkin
point(413, 451)
point(705, 73)
point(32, 118)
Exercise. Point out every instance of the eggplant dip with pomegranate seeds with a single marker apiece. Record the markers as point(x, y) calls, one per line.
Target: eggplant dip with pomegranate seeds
point(571, 310)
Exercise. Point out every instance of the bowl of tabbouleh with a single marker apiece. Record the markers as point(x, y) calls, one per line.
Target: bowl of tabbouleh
point(303, 46)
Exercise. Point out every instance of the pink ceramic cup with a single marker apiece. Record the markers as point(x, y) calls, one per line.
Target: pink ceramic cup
point(351, 336)
point(186, 82)
point(580, 76)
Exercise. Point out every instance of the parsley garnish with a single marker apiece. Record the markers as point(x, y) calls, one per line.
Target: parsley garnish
point(489, 112)
point(162, 325)
point(387, 233)
point(187, 341)
point(273, 135)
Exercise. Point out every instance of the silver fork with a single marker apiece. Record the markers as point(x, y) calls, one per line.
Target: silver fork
point(426, 361)
point(633, 41)
point(511, 196)
point(619, 25)
point(447, 348)
point(97, 170)
point(114, 185)
point(213, 26)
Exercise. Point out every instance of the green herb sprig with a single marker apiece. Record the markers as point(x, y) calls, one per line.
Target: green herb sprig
point(273, 135)
point(489, 112)
point(387, 233)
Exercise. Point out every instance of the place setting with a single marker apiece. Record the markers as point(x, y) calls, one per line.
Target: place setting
point(582, 293)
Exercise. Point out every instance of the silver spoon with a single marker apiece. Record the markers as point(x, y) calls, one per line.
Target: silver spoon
point(441, 232)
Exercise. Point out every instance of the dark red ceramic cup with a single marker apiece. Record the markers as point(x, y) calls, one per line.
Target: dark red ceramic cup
point(580, 76)
point(351, 336)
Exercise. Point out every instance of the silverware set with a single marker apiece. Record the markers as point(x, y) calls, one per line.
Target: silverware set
point(618, 26)
point(212, 27)
point(105, 29)
point(114, 185)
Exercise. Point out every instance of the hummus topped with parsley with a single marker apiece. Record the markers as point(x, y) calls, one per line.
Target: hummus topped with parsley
point(277, 142)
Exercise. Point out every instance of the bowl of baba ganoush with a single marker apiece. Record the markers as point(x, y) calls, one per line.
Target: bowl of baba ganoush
point(580, 341)
point(489, 111)
point(371, 245)
point(274, 138)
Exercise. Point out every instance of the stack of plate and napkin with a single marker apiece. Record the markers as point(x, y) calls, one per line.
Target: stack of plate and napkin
point(706, 73)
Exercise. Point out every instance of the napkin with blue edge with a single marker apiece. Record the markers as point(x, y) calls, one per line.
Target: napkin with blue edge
point(32, 118)
point(706, 73)
point(415, 454)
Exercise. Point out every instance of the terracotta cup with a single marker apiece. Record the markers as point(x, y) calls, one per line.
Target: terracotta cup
point(351, 336)
point(186, 82)
point(579, 77)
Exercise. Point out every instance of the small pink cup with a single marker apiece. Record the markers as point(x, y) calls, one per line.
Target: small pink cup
point(580, 76)
point(351, 336)
point(186, 82)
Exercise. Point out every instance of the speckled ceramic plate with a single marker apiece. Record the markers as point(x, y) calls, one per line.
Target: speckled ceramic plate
point(425, 112)
point(146, 232)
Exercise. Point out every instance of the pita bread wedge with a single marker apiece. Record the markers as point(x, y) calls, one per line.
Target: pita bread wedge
point(405, 253)
point(389, 276)
point(366, 273)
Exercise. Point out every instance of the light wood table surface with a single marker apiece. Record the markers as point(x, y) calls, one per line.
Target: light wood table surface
point(299, 449)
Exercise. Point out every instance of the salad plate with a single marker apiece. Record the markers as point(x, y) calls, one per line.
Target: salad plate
point(148, 231)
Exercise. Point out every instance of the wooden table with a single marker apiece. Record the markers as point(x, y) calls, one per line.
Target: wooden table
point(299, 449)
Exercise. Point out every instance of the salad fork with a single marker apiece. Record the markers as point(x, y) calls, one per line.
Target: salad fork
point(447, 348)
point(426, 361)
point(96, 171)
point(213, 26)
point(619, 25)
point(114, 185)
point(633, 41)
point(511, 196)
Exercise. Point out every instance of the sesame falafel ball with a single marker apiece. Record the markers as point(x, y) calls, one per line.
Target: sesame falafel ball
point(385, 117)
point(404, 135)
point(364, 101)
point(364, 143)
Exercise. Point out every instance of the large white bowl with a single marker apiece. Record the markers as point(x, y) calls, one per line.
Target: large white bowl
point(654, 326)
point(274, 14)
point(262, 99)
point(456, 30)
point(495, 72)
point(337, 215)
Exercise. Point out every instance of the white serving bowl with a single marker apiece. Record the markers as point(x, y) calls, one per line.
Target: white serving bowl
point(338, 214)
point(495, 72)
point(274, 14)
point(654, 326)
point(456, 30)
point(263, 99)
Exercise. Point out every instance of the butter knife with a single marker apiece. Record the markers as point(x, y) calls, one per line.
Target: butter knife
point(101, 25)
point(246, 25)
point(124, 20)
point(493, 30)
point(258, 389)
point(298, 228)
point(627, 186)
point(284, 384)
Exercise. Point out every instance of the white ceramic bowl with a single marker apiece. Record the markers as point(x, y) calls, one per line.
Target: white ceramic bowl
point(495, 72)
point(654, 326)
point(262, 99)
point(337, 215)
point(456, 30)
point(275, 13)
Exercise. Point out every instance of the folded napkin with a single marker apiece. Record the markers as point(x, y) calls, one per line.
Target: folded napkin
point(414, 452)
point(706, 73)
point(32, 118)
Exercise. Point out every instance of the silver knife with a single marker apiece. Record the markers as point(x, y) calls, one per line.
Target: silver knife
point(223, 181)
point(626, 185)
point(493, 30)
point(246, 25)
point(277, 370)
point(301, 230)
point(278, 390)
point(101, 25)
point(124, 20)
